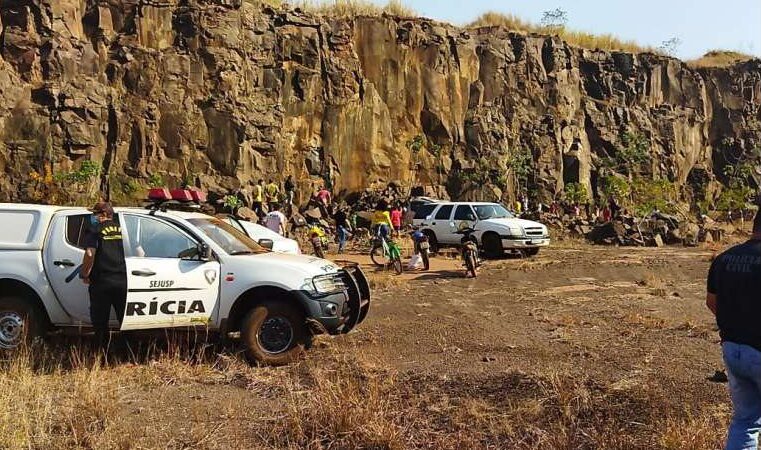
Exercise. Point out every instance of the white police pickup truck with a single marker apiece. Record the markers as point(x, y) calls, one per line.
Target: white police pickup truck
point(184, 269)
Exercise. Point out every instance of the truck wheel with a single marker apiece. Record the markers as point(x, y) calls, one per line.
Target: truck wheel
point(20, 322)
point(274, 333)
point(492, 246)
point(532, 251)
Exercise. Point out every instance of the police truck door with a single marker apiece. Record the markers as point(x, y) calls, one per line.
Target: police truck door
point(164, 289)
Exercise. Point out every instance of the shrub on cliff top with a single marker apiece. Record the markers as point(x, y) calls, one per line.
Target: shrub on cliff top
point(354, 8)
point(573, 37)
point(720, 58)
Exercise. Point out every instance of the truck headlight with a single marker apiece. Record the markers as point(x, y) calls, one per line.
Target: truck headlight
point(515, 231)
point(326, 284)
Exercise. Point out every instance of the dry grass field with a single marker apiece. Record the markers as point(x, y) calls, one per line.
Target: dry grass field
point(579, 348)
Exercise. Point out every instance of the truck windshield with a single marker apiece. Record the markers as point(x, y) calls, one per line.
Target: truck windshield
point(493, 211)
point(232, 241)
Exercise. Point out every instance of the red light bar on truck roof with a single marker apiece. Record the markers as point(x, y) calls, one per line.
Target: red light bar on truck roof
point(198, 196)
point(159, 194)
point(181, 195)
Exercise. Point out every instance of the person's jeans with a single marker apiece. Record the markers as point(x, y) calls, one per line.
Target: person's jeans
point(744, 372)
point(342, 236)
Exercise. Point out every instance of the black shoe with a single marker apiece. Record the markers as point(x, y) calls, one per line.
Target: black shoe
point(718, 377)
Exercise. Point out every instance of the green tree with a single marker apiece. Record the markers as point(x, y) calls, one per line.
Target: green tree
point(232, 202)
point(612, 185)
point(576, 193)
point(156, 181)
point(630, 155)
point(520, 162)
point(649, 195)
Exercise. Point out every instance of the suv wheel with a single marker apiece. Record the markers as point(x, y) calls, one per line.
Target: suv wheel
point(20, 322)
point(492, 246)
point(274, 333)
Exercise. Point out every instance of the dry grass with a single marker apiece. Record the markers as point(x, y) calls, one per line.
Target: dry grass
point(573, 37)
point(335, 400)
point(346, 8)
point(383, 280)
point(720, 58)
point(54, 408)
point(656, 284)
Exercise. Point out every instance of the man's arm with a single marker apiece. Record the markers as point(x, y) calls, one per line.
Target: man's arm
point(711, 301)
point(87, 263)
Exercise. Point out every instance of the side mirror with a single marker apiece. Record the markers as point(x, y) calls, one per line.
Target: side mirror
point(204, 251)
point(266, 243)
point(201, 252)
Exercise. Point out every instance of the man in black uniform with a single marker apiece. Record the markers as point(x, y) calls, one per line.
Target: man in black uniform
point(104, 269)
point(734, 296)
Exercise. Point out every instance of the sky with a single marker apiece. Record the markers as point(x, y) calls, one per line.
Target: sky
point(700, 25)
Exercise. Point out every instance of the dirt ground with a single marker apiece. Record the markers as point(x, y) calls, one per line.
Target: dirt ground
point(579, 347)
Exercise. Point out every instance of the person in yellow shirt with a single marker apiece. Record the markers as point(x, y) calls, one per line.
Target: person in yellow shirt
point(381, 221)
point(258, 198)
point(272, 191)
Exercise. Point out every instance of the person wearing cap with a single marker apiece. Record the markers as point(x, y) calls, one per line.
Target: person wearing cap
point(734, 297)
point(104, 270)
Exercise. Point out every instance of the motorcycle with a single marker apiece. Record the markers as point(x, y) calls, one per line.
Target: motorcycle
point(384, 252)
point(422, 247)
point(469, 251)
point(319, 240)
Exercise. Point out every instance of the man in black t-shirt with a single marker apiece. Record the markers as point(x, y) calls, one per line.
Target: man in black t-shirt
point(734, 296)
point(105, 270)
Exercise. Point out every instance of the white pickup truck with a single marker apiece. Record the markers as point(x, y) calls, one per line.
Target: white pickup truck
point(184, 269)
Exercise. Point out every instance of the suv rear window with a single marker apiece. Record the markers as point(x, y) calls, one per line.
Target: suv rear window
point(444, 212)
point(424, 211)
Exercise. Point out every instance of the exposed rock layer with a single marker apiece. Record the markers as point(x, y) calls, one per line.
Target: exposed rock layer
point(225, 92)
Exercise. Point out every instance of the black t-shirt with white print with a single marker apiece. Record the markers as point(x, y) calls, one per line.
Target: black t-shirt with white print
point(109, 264)
point(735, 279)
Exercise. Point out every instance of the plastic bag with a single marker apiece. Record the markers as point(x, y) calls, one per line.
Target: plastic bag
point(416, 262)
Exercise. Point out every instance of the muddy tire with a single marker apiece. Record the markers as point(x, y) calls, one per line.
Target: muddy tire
point(398, 268)
point(531, 251)
point(274, 333)
point(21, 322)
point(492, 246)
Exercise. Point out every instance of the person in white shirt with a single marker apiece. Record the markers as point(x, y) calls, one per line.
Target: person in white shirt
point(275, 221)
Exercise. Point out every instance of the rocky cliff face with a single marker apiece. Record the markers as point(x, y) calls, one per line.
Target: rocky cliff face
point(223, 93)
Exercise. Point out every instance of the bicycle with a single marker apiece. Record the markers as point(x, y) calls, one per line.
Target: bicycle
point(384, 252)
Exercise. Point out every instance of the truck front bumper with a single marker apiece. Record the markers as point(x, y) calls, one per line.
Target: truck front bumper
point(340, 312)
point(512, 242)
